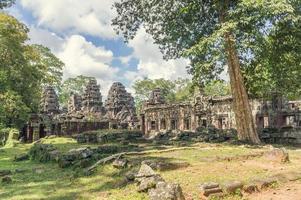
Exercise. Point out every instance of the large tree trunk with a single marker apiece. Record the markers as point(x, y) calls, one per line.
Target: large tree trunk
point(243, 114)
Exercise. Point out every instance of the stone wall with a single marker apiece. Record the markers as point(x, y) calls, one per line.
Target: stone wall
point(85, 112)
point(281, 136)
point(202, 111)
point(35, 130)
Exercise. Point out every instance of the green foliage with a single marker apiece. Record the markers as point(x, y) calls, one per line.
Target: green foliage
point(75, 85)
point(172, 91)
point(263, 32)
point(13, 110)
point(6, 3)
point(24, 70)
point(179, 90)
point(50, 67)
point(217, 88)
point(277, 63)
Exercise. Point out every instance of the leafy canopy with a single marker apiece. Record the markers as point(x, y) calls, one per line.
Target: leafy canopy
point(179, 90)
point(195, 29)
point(70, 86)
point(24, 71)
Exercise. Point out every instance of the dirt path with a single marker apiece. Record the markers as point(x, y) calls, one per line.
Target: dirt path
point(289, 191)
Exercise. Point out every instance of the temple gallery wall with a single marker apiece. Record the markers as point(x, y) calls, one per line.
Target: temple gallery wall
point(88, 112)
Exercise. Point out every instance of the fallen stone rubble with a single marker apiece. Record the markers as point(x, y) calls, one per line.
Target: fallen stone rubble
point(212, 135)
point(157, 188)
point(215, 190)
point(77, 158)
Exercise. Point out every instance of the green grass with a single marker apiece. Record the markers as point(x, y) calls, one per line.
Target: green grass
point(108, 182)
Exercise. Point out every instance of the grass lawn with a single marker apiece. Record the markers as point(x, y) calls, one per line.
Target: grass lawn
point(203, 163)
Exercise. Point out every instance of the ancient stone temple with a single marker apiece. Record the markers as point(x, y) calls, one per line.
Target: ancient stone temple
point(92, 99)
point(49, 102)
point(156, 97)
point(203, 111)
point(120, 105)
point(86, 113)
point(74, 103)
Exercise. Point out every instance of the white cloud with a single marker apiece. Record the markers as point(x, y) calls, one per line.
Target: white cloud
point(125, 59)
point(48, 39)
point(91, 16)
point(151, 62)
point(73, 18)
point(80, 56)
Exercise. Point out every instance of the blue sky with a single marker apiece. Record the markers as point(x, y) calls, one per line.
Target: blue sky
point(80, 34)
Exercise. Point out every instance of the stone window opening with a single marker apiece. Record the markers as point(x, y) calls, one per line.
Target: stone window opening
point(187, 124)
point(173, 124)
point(204, 123)
point(220, 123)
point(153, 125)
point(162, 124)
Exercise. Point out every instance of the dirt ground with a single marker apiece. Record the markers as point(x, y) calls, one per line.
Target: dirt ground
point(289, 191)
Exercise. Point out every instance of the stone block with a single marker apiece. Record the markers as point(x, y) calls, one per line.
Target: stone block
point(233, 186)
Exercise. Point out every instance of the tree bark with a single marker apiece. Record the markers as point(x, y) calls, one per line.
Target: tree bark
point(243, 113)
point(241, 105)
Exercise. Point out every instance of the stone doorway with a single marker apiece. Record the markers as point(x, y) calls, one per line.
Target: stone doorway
point(42, 132)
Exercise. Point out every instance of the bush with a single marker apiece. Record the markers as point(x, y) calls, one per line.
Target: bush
point(42, 152)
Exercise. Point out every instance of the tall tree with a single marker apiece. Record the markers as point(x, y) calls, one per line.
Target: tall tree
point(277, 64)
point(24, 70)
point(211, 34)
point(48, 64)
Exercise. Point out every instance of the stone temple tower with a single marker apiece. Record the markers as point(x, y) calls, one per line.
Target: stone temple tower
point(49, 103)
point(156, 97)
point(74, 103)
point(119, 100)
point(92, 99)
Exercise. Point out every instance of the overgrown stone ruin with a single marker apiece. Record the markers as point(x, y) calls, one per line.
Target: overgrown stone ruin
point(85, 112)
point(49, 103)
point(277, 120)
point(120, 106)
point(92, 99)
point(74, 103)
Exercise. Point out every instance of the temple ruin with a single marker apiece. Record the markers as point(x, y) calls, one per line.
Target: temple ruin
point(92, 99)
point(87, 112)
point(203, 111)
point(49, 102)
point(120, 106)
